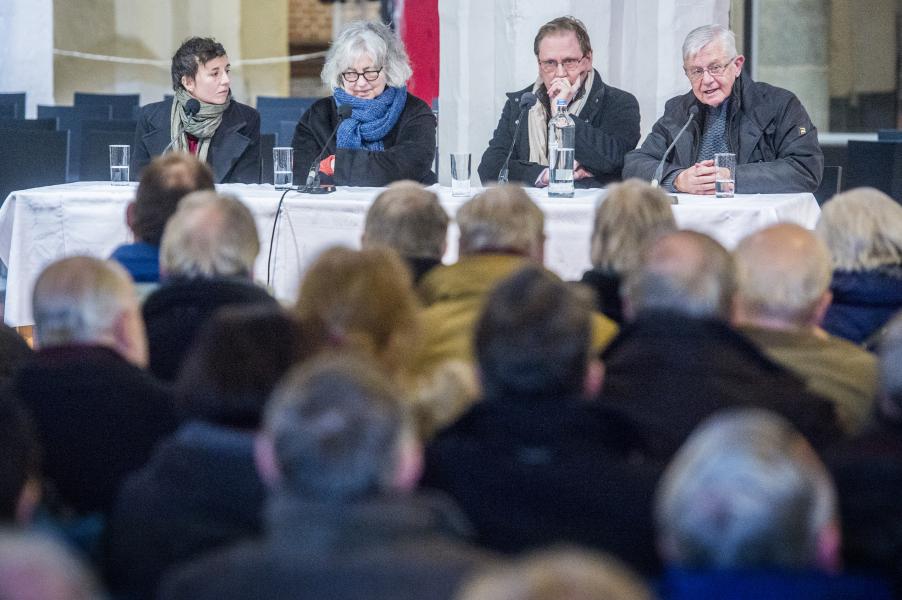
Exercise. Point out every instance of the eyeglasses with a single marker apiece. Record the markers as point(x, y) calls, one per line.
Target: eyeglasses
point(714, 70)
point(550, 66)
point(368, 74)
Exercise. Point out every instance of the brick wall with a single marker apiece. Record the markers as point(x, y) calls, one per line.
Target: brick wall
point(309, 23)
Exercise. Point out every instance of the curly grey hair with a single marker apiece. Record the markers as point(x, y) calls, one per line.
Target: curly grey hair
point(700, 37)
point(371, 38)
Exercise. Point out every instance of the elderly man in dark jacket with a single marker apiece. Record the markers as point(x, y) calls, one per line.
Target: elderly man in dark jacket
point(766, 127)
point(607, 119)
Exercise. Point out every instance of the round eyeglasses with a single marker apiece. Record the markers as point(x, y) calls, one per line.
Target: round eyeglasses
point(714, 70)
point(368, 74)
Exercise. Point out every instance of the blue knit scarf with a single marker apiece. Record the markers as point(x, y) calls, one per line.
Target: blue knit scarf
point(370, 120)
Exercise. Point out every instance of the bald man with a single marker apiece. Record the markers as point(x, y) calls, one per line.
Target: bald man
point(783, 277)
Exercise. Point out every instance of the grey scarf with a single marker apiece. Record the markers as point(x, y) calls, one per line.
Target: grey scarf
point(202, 125)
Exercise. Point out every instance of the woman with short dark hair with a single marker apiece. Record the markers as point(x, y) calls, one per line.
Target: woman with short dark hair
point(202, 118)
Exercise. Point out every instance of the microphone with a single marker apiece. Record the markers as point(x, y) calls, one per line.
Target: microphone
point(312, 184)
point(527, 100)
point(192, 107)
point(693, 110)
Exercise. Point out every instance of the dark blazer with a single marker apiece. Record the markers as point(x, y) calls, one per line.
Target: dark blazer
point(772, 136)
point(234, 152)
point(606, 129)
point(409, 147)
point(98, 417)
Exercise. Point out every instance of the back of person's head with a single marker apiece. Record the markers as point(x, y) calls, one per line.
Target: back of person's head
point(85, 300)
point(165, 181)
point(409, 219)
point(239, 356)
point(35, 567)
point(632, 213)
point(747, 491)
point(210, 235)
point(20, 462)
point(557, 574)
point(891, 368)
point(502, 219)
point(362, 299)
point(684, 272)
point(863, 230)
point(783, 276)
point(533, 337)
point(335, 425)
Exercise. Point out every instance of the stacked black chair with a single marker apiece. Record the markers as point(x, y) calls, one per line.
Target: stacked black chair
point(42, 124)
point(274, 110)
point(286, 132)
point(267, 143)
point(123, 104)
point(96, 138)
point(71, 118)
point(7, 111)
point(32, 160)
point(831, 184)
point(17, 101)
point(876, 164)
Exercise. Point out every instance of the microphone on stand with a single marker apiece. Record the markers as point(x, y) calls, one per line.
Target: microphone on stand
point(311, 186)
point(527, 100)
point(192, 107)
point(656, 180)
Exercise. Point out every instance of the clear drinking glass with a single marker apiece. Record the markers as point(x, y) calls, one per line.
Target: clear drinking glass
point(283, 167)
point(725, 175)
point(119, 157)
point(460, 173)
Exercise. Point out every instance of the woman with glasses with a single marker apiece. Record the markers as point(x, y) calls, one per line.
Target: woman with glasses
point(607, 119)
point(389, 133)
point(766, 127)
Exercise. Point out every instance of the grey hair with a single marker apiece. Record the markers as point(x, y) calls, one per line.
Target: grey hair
point(78, 300)
point(502, 218)
point(361, 38)
point(36, 566)
point(631, 213)
point(745, 491)
point(700, 37)
point(863, 230)
point(684, 272)
point(408, 218)
point(782, 272)
point(210, 235)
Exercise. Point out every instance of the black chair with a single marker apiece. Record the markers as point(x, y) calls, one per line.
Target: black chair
point(830, 185)
point(17, 101)
point(267, 143)
point(111, 125)
point(32, 160)
point(876, 164)
point(42, 124)
point(7, 111)
point(71, 118)
point(275, 110)
point(95, 152)
point(123, 104)
point(286, 132)
point(889, 135)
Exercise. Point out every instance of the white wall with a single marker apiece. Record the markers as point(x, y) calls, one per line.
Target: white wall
point(26, 51)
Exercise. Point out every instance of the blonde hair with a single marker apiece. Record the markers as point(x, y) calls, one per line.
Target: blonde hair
point(863, 230)
point(502, 218)
point(631, 213)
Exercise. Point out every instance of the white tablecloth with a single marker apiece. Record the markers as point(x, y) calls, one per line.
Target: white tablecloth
point(43, 224)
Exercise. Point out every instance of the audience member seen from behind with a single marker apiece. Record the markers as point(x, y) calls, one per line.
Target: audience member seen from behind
point(535, 462)
point(165, 181)
point(207, 261)
point(98, 414)
point(200, 490)
point(342, 519)
point(631, 214)
point(606, 119)
point(20, 464)
point(557, 574)
point(389, 134)
point(747, 509)
point(35, 567)
point(863, 230)
point(202, 119)
point(783, 290)
point(14, 352)
point(677, 360)
point(766, 127)
point(409, 219)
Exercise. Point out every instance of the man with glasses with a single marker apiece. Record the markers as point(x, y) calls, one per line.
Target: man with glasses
point(607, 119)
point(766, 127)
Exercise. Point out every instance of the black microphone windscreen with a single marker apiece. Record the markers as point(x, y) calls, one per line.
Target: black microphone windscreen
point(192, 107)
point(693, 110)
point(527, 100)
point(344, 111)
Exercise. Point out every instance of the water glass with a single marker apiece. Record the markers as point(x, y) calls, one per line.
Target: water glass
point(283, 167)
point(460, 173)
point(725, 175)
point(119, 161)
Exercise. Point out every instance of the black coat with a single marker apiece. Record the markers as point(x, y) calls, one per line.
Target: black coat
point(606, 129)
point(98, 418)
point(533, 472)
point(234, 152)
point(606, 286)
point(409, 147)
point(774, 141)
point(668, 372)
point(176, 311)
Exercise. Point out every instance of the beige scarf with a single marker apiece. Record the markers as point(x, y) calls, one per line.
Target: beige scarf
point(202, 125)
point(538, 120)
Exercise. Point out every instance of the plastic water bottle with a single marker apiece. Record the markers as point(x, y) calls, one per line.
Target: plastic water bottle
point(561, 138)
